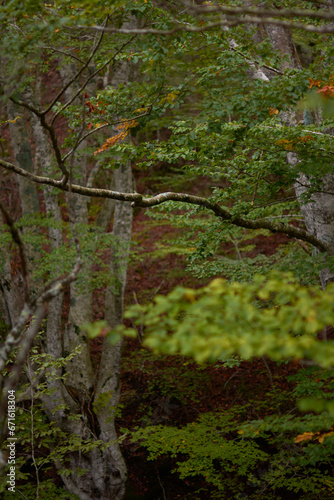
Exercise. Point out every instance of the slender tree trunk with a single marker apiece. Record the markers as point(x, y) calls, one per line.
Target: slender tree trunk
point(105, 474)
point(10, 281)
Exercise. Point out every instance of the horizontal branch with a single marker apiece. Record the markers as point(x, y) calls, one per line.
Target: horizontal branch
point(225, 215)
point(256, 11)
point(137, 200)
point(229, 23)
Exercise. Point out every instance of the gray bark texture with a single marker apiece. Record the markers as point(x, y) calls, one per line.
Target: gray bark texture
point(105, 471)
point(318, 213)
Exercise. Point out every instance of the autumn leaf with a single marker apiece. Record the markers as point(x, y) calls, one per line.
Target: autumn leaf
point(314, 83)
point(305, 138)
point(171, 97)
point(303, 437)
point(326, 90)
point(125, 128)
point(111, 142)
point(140, 110)
point(318, 436)
point(322, 436)
point(10, 121)
point(287, 144)
point(273, 111)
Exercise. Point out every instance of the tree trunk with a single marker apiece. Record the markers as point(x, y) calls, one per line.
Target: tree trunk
point(318, 213)
point(105, 474)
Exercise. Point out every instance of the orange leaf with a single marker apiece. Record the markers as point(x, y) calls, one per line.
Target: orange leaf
point(304, 437)
point(273, 111)
point(305, 138)
point(314, 83)
point(287, 144)
point(326, 90)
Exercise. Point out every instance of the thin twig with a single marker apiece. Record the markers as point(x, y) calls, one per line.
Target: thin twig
point(68, 55)
point(88, 80)
point(76, 76)
point(32, 444)
point(270, 68)
point(269, 372)
point(109, 124)
point(17, 239)
point(140, 329)
point(163, 489)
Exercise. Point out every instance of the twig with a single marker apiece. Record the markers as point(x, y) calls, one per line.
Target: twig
point(17, 239)
point(269, 372)
point(88, 80)
point(140, 329)
point(109, 124)
point(76, 76)
point(163, 489)
point(156, 290)
point(68, 55)
point(270, 68)
point(22, 494)
point(232, 376)
point(32, 431)
point(304, 246)
point(51, 133)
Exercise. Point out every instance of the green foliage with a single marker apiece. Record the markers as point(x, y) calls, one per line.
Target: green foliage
point(249, 458)
point(273, 316)
point(35, 432)
point(47, 491)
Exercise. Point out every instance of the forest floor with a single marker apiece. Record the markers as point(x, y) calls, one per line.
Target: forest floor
point(173, 390)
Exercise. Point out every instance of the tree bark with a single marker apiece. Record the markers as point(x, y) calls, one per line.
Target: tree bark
point(105, 474)
point(318, 213)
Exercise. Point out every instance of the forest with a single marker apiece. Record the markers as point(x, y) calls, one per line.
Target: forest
point(167, 249)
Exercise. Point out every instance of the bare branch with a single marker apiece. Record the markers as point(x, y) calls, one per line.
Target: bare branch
point(76, 76)
point(77, 93)
point(17, 239)
point(270, 68)
point(263, 13)
point(229, 23)
point(137, 200)
point(50, 130)
point(67, 54)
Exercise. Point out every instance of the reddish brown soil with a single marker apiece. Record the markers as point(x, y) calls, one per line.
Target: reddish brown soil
point(192, 389)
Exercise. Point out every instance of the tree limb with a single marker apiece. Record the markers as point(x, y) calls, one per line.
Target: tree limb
point(17, 239)
point(137, 200)
point(76, 94)
point(76, 76)
point(230, 23)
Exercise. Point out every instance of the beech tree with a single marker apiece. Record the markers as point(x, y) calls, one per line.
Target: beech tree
point(247, 93)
